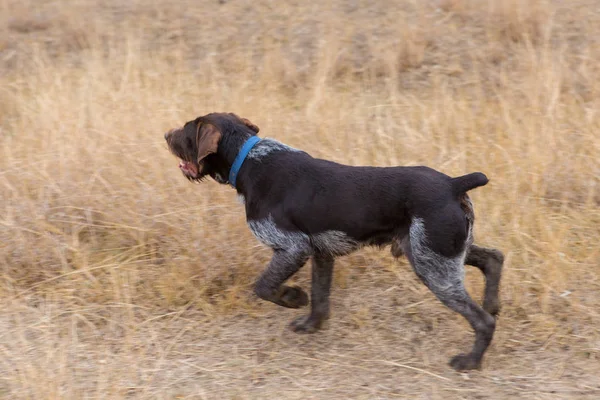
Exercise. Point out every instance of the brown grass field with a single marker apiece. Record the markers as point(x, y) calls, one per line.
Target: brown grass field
point(120, 279)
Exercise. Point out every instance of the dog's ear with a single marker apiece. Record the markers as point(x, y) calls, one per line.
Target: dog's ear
point(246, 122)
point(250, 125)
point(207, 140)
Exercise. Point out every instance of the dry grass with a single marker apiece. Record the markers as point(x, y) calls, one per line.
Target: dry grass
point(120, 279)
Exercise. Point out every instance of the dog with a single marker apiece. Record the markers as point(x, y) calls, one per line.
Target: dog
point(304, 207)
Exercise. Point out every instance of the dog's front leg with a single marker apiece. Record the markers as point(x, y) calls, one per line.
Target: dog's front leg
point(322, 271)
point(283, 265)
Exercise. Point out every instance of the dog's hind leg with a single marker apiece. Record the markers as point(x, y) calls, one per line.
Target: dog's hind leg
point(444, 276)
point(283, 265)
point(322, 271)
point(490, 262)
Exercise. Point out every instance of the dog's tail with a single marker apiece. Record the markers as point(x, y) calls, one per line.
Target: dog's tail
point(463, 184)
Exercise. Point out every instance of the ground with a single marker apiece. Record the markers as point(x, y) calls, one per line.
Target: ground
point(121, 279)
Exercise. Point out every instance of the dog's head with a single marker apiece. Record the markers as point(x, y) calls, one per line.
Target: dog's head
point(208, 145)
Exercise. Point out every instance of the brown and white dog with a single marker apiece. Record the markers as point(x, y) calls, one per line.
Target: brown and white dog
point(305, 207)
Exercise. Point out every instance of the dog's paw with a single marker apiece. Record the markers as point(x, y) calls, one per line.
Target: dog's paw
point(293, 297)
point(306, 324)
point(464, 362)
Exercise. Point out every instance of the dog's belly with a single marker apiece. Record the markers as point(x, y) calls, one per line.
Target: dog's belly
point(332, 242)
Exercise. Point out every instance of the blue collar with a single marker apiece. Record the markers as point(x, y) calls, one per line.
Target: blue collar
point(239, 160)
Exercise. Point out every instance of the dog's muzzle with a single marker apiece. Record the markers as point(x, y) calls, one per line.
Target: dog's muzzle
point(169, 133)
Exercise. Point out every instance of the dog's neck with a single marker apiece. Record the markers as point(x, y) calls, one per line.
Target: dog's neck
point(240, 158)
point(224, 161)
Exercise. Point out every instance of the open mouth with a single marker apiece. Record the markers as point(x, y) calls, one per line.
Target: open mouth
point(188, 168)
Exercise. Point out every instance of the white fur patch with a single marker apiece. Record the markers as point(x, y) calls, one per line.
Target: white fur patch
point(269, 234)
point(330, 242)
point(444, 275)
point(334, 243)
point(266, 146)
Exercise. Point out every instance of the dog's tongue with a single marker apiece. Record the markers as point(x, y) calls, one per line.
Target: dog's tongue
point(188, 168)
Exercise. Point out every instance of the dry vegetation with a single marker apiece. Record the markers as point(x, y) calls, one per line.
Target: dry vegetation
point(120, 279)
